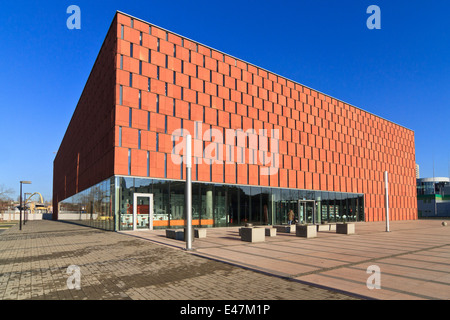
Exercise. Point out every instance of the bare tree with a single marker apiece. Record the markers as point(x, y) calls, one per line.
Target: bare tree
point(5, 197)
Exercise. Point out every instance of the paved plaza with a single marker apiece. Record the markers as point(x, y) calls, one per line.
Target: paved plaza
point(114, 266)
point(413, 261)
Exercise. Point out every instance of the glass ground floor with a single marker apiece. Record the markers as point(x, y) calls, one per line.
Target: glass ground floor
point(127, 203)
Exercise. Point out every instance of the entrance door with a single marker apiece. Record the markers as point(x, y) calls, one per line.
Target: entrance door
point(306, 211)
point(143, 211)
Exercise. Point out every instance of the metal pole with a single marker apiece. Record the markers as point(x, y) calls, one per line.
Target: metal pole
point(20, 219)
point(387, 199)
point(188, 193)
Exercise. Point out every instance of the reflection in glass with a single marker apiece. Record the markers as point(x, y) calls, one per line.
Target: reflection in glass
point(109, 206)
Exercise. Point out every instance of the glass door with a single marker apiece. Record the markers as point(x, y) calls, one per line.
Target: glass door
point(306, 211)
point(143, 211)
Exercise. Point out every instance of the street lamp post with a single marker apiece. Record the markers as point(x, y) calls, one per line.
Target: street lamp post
point(188, 193)
point(25, 215)
point(22, 182)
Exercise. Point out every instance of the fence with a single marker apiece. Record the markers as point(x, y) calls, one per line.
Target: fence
point(12, 215)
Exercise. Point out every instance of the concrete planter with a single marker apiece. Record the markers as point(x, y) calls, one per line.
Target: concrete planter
point(323, 227)
point(271, 232)
point(345, 228)
point(252, 234)
point(177, 234)
point(285, 228)
point(200, 233)
point(326, 227)
point(306, 230)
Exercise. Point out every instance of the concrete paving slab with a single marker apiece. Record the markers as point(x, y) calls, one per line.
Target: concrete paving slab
point(116, 266)
point(412, 258)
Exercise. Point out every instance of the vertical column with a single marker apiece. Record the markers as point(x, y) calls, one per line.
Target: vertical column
point(387, 199)
point(188, 194)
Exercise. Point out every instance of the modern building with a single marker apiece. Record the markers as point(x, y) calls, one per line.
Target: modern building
point(262, 144)
point(433, 197)
point(417, 171)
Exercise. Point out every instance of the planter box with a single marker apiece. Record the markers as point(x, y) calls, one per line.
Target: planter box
point(271, 232)
point(326, 227)
point(306, 231)
point(345, 228)
point(285, 228)
point(200, 233)
point(323, 227)
point(174, 233)
point(252, 234)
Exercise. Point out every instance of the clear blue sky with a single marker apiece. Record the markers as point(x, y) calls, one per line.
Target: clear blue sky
point(401, 72)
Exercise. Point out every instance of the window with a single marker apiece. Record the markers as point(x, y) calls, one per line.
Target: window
point(139, 139)
point(140, 100)
point(148, 163)
point(157, 103)
point(121, 95)
point(131, 50)
point(148, 120)
point(132, 23)
point(140, 38)
point(140, 67)
point(121, 31)
point(181, 168)
point(148, 85)
point(158, 44)
point(130, 117)
point(120, 136)
point(131, 79)
point(121, 62)
point(165, 124)
point(157, 72)
point(129, 162)
point(157, 142)
point(165, 165)
point(149, 56)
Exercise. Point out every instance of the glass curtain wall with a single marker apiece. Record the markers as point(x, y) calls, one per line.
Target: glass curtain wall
point(109, 204)
point(92, 207)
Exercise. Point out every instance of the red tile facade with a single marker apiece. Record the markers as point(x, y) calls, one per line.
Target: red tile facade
point(324, 144)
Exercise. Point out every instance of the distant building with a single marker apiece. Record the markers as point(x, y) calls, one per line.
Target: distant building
point(417, 171)
point(433, 197)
